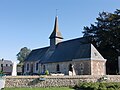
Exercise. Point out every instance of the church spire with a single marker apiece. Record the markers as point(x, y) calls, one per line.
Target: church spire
point(56, 36)
point(56, 33)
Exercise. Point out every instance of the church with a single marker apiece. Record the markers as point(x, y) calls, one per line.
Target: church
point(71, 57)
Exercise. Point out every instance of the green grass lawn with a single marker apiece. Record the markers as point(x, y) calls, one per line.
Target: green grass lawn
point(51, 88)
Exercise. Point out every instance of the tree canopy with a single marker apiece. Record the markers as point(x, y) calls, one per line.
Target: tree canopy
point(105, 36)
point(24, 52)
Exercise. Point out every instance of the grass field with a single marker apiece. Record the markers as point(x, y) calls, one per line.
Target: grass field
point(52, 88)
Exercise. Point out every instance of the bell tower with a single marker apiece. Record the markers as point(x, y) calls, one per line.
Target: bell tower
point(56, 36)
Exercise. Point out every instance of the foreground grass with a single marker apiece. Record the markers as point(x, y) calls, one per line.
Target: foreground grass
point(51, 88)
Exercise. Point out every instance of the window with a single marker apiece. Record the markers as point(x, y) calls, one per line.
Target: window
point(6, 65)
point(70, 67)
point(58, 68)
point(1, 65)
point(81, 68)
point(36, 66)
point(43, 68)
point(27, 67)
point(95, 54)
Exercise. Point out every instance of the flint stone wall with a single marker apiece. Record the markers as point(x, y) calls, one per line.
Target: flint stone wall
point(58, 81)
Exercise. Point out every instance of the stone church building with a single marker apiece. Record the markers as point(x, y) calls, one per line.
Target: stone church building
point(71, 57)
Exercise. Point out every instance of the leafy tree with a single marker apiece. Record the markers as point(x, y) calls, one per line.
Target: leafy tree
point(105, 35)
point(24, 52)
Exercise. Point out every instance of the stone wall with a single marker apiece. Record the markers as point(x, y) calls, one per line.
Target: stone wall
point(64, 67)
point(79, 67)
point(82, 67)
point(49, 81)
point(32, 67)
point(98, 67)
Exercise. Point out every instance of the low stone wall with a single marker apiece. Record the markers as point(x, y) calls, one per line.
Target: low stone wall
point(50, 81)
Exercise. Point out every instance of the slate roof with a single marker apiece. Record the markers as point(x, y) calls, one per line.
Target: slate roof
point(37, 54)
point(65, 51)
point(56, 33)
point(5, 62)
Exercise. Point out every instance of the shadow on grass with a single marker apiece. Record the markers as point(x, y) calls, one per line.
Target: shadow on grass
point(77, 88)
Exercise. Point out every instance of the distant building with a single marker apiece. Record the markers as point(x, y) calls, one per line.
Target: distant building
point(6, 67)
point(71, 57)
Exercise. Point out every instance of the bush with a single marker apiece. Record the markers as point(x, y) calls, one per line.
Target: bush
point(84, 85)
point(90, 85)
point(94, 86)
point(99, 86)
point(111, 88)
point(114, 85)
point(46, 72)
point(1, 72)
point(102, 86)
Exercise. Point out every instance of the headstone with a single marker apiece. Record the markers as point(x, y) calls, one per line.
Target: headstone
point(14, 70)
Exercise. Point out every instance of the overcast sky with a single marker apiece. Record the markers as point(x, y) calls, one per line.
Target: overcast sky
point(29, 23)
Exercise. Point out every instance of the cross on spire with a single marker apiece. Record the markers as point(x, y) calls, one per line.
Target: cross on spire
point(56, 12)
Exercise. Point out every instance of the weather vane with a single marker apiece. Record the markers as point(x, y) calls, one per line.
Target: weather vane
point(56, 12)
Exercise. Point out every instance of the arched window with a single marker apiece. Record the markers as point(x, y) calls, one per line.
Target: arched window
point(36, 66)
point(70, 67)
point(27, 67)
point(43, 68)
point(58, 68)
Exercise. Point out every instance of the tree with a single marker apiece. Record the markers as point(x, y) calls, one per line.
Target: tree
point(105, 35)
point(24, 52)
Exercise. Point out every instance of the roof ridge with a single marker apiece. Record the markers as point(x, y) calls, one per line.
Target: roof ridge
point(41, 48)
point(74, 40)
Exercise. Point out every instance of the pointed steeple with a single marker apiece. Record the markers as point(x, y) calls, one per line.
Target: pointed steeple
point(56, 36)
point(56, 33)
